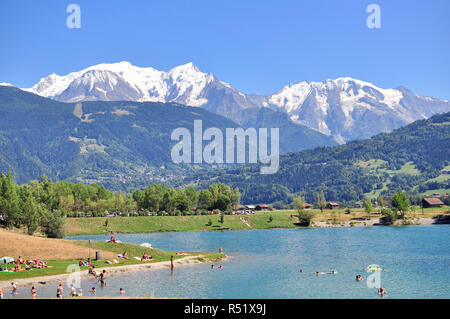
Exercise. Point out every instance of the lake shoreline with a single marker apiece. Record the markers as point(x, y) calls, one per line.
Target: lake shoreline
point(369, 222)
point(110, 270)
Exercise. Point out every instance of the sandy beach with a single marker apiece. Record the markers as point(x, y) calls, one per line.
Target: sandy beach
point(110, 270)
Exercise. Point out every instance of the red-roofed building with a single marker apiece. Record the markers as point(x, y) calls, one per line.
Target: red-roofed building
point(431, 202)
point(332, 205)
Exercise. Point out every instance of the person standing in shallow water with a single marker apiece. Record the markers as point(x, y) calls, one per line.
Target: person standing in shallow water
point(59, 291)
point(171, 262)
point(33, 292)
point(102, 278)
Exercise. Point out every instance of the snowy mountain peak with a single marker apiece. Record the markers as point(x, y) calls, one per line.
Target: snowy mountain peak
point(344, 107)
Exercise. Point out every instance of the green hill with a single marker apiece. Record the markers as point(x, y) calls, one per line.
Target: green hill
point(408, 159)
point(122, 145)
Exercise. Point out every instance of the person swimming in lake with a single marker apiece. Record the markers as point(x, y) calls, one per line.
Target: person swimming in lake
point(301, 270)
point(122, 292)
point(317, 273)
point(334, 272)
point(93, 291)
point(381, 291)
point(359, 278)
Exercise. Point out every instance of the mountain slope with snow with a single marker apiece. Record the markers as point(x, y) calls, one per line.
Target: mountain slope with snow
point(347, 108)
point(344, 108)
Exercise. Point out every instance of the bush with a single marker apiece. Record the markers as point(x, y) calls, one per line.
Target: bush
point(305, 217)
point(53, 224)
point(389, 216)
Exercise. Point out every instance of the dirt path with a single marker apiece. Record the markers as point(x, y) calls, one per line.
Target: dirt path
point(245, 222)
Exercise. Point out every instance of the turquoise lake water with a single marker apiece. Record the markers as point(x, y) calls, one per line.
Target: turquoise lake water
point(267, 263)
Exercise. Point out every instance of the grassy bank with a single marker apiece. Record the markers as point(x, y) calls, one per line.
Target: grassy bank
point(260, 220)
point(22, 245)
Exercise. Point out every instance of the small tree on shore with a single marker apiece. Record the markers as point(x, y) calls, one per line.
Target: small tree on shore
point(320, 201)
point(304, 217)
point(401, 203)
point(367, 204)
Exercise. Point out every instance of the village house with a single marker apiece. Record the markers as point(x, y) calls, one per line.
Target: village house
point(332, 205)
point(431, 202)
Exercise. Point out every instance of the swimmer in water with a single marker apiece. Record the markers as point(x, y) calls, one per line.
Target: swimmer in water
point(317, 273)
point(301, 270)
point(334, 272)
point(212, 266)
point(359, 278)
point(381, 291)
point(122, 292)
point(93, 291)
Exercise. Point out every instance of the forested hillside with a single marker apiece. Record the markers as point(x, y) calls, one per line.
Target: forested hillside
point(413, 159)
point(122, 145)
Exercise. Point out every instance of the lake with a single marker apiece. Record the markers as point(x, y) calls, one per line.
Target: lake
point(267, 263)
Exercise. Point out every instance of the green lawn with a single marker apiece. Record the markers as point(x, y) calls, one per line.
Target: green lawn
point(260, 220)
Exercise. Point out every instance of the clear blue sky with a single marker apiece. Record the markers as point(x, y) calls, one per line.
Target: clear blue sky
point(257, 46)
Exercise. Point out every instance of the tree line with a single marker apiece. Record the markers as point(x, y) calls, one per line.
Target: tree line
point(43, 205)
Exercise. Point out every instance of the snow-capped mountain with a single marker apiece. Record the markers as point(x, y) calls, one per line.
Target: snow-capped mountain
point(344, 108)
point(347, 108)
point(184, 84)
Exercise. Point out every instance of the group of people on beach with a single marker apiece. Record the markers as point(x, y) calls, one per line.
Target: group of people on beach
point(26, 263)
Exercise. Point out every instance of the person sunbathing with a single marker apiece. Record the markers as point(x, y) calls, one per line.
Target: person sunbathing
point(17, 267)
point(145, 257)
point(113, 239)
point(20, 260)
point(81, 263)
point(124, 255)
